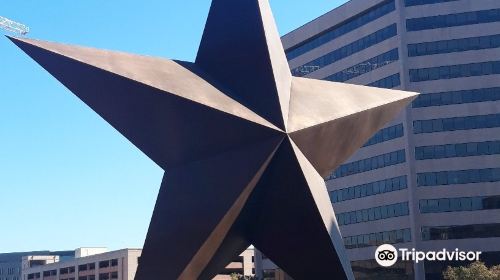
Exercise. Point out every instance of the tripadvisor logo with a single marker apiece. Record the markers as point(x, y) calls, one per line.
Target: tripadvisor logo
point(387, 255)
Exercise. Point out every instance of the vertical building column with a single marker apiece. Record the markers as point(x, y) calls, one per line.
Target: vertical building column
point(418, 269)
point(247, 262)
point(96, 271)
point(121, 269)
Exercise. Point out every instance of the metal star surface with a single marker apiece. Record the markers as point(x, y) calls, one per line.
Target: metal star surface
point(245, 145)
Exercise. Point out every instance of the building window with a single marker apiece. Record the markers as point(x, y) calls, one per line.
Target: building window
point(365, 67)
point(386, 134)
point(368, 164)
point(457, 150)
point(91, 266)
point(104, 276)
point(457, 123)
point(387, 82)
point(455, 45)
point(64, 270)
point(457, 97)
point(371, 270)
point(114, 262)
point(409, 3)
point(460, 232)
point(369, 189)
point(455, 71)
point(82, 267)
point(114, 275)
point(377, 239)
point(458, 177)
point(341, 29)
point(442, 21)
point(459, 204)
point(104, 264)
point(373, 214)
point(348, 50)
point(49, 273)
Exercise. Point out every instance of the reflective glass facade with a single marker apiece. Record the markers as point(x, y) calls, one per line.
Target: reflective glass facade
point(455, 45)
point(409, 3)
point(458, 123)
point(450, 20)
point(348, 50)
point(377, 239)
point(460, 232)
point(458, 150)
point(457, 97)
point(365, 66)
point(368, 164)
point(455, 71)
point(371, 270)
point(388, 82)
point(458, 177)
point(373, 214)
point(386, 134)
point(341, 29)
point(458, 204)
point(369, 189)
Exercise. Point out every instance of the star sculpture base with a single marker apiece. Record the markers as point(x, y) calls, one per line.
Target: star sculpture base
point(244, 144)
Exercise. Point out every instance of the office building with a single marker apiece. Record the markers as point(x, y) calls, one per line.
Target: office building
point(10, 270)
point(11, 264)
point(430, 179)
point(88, 264)
point(99, 264)
point(243, 265)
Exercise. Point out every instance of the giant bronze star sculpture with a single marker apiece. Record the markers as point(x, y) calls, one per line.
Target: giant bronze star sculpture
point(244, 144)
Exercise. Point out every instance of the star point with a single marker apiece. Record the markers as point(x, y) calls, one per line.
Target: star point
point(241, 47)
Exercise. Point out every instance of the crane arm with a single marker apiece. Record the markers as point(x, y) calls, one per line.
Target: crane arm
point(13, 26)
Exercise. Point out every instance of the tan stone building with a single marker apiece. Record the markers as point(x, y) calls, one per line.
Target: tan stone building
point(99, 264)
point(88, 264)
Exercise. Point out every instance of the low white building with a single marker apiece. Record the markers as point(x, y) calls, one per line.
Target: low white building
point(99, 264)
point(88, 264)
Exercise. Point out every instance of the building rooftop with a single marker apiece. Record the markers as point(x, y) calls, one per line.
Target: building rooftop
point(17, 256)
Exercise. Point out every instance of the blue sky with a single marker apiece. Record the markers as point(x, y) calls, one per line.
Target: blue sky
point(67, 178)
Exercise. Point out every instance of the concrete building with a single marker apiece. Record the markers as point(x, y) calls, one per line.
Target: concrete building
point(88, 264)
point(99, 264)
point(11, 263)
point(430, 179)
point(243, 265)
point(10, 270)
